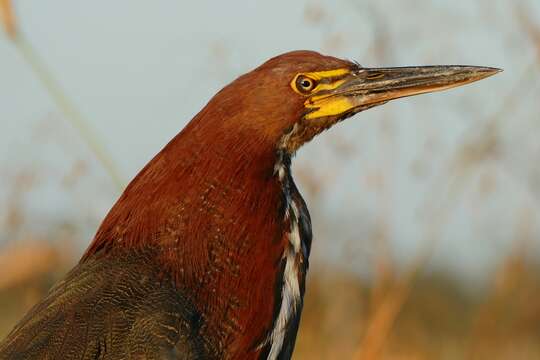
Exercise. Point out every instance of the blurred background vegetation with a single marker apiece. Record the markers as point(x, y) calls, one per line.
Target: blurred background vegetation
point(426, 211)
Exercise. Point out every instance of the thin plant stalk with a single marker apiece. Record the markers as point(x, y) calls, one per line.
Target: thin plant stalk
point(47, 79)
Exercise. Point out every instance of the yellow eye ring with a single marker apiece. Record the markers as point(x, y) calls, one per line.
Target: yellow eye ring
point(305, 84)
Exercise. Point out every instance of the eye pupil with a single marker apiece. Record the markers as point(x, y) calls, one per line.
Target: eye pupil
point(305, 84)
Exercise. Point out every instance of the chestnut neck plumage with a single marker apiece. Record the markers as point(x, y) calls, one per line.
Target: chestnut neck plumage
point(215, 212)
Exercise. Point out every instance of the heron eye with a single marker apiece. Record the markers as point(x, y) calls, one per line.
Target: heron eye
point(305, 84)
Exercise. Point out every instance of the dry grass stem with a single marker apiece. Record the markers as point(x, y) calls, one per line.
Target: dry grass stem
point(8, 18)
point(70, 111)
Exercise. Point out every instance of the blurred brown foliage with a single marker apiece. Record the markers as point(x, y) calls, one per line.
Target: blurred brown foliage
point(437, 319)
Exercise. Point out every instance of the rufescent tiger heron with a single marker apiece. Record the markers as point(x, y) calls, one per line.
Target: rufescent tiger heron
point(205, 254)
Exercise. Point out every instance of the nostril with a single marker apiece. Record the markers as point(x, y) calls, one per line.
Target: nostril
point(374, 76)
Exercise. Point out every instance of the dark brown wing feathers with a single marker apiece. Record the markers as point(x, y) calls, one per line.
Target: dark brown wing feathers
point(106, 308)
